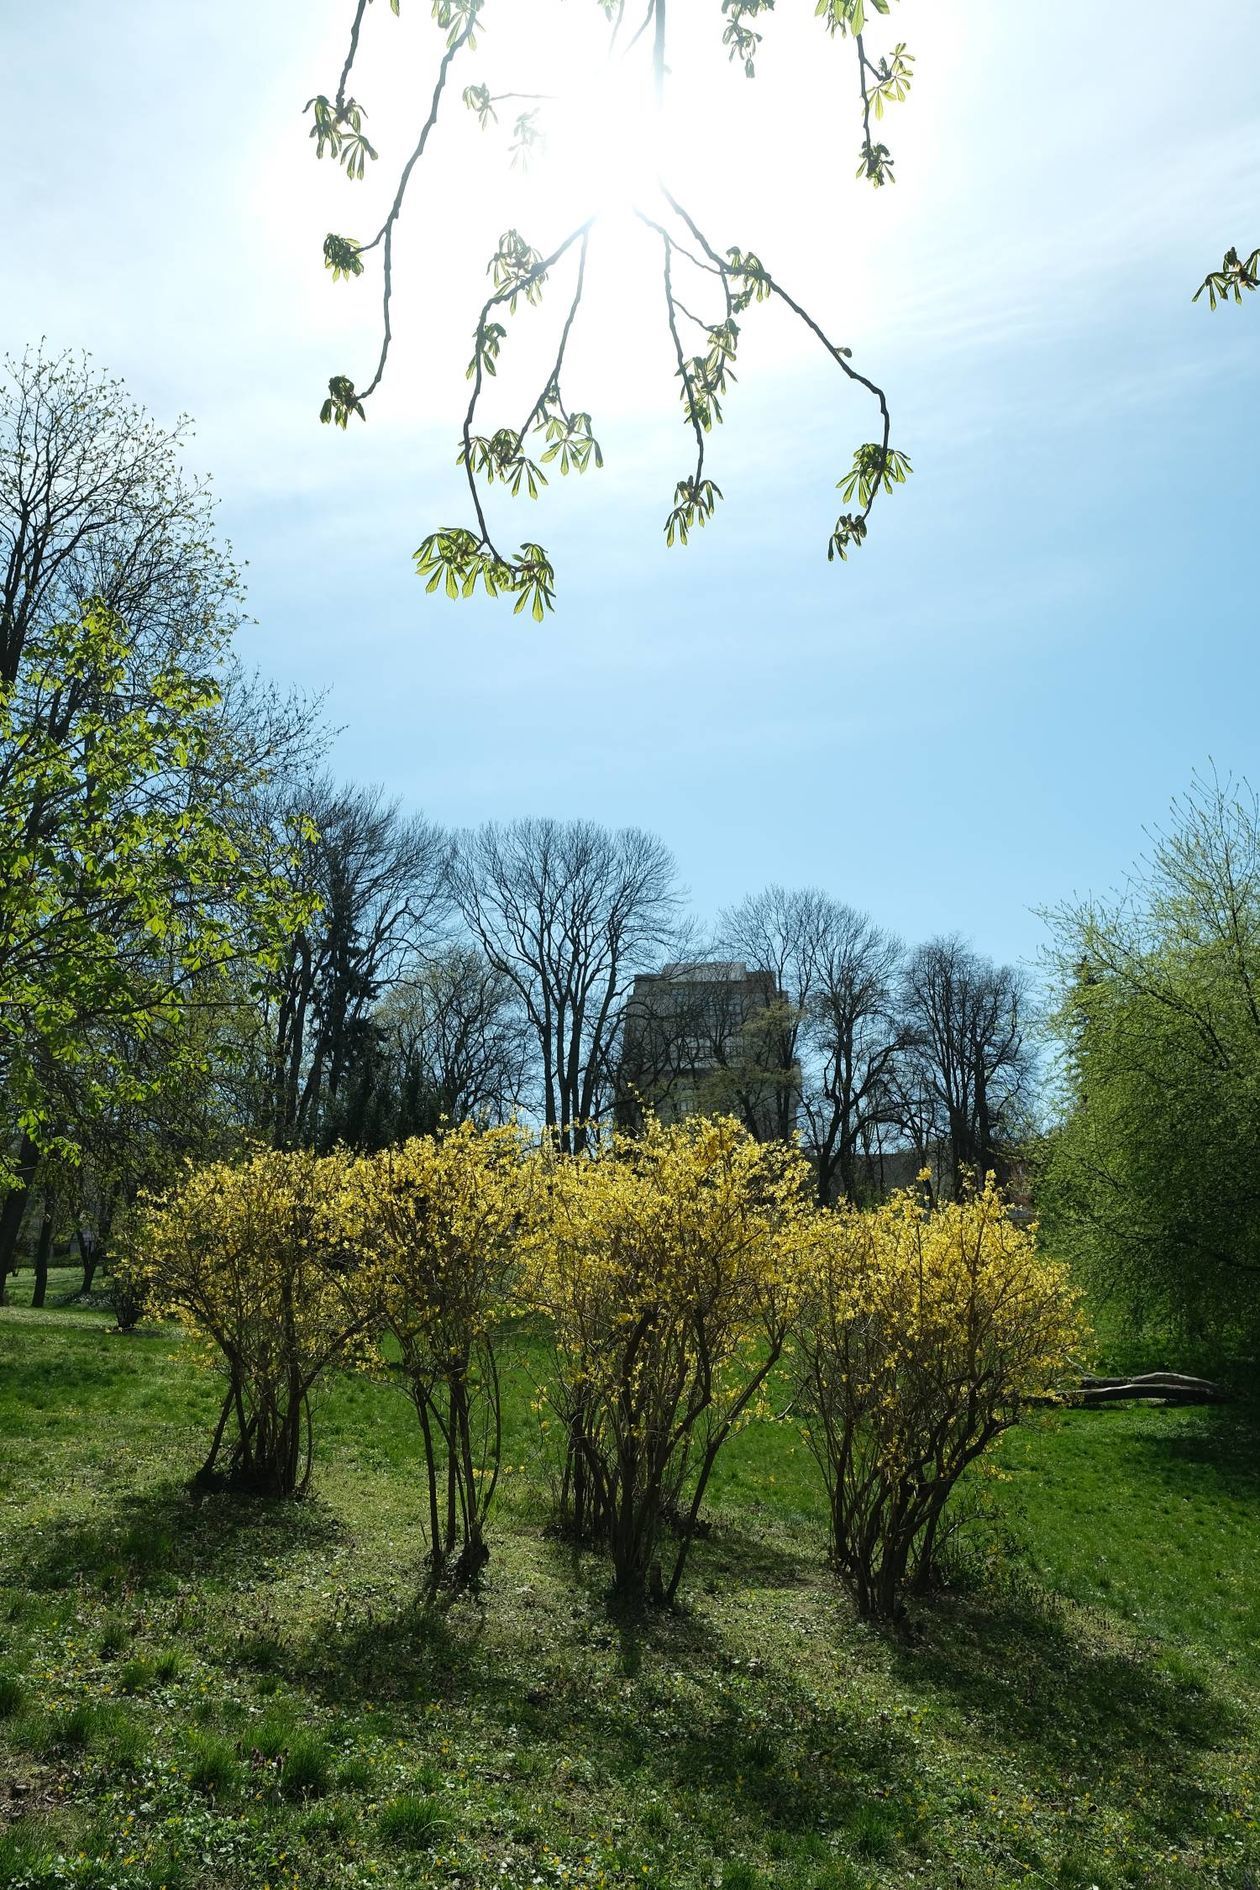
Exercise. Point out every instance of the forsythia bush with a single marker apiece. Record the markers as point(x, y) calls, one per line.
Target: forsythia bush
point(918, 1336)
point(441, 1217)
point(259, 1260)
point(664, 1264)
point(674, 1272)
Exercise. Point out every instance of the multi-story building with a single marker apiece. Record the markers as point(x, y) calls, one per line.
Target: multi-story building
point(710, 1038)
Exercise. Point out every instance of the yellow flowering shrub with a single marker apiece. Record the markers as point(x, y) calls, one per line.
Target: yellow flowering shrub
point(664, 1263)
point(919, 1334)
point(441, 1217)
point(259, 1261)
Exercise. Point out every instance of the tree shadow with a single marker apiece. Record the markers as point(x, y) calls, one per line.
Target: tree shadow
point(654, 1696)
point(164, 1536)
point(1218, 1453)
point(1079, 1703)
point(751, 1557)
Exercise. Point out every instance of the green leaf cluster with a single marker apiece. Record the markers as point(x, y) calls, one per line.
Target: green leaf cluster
point(456, 560)
point(695, 501)
point(338, 130)
point(875, 468)
point(341, 255)
point(1235, 274)
point(342, 401)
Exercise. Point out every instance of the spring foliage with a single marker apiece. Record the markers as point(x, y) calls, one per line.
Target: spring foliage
point(677, 1275)
point(920, 1334)
point(259, 1261)
point(665, 1268)
point(441, 1217)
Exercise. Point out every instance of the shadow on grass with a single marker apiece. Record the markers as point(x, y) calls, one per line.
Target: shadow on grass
point(652, 1697)
point(751, 1557)
point(1074, 1707)
point(164, 1536)
point(1213, 1452)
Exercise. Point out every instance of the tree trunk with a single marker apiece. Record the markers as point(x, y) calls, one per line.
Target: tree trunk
point(13, 1209)
point(89, 1254)
point(44, 1249)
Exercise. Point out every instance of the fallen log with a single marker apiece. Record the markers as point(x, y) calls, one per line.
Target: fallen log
point(1167, 1387)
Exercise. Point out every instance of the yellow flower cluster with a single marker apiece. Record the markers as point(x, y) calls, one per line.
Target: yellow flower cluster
point(919, 1335)
point(440, 1221)
point(666, 1267)
point(675, 1271)
point(261, 1261)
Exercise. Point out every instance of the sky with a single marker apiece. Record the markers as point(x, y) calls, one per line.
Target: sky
point(1052, 625)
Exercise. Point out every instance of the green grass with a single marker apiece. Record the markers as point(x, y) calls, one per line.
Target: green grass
point(216, 1693)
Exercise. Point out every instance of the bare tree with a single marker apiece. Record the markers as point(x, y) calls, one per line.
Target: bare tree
point(854, 1042)
point(968, 1057)
point(380, 880)
point(704, 1035)
point(832, 1037)
point(567, 911)
point(449, 1044)
point(93, 504)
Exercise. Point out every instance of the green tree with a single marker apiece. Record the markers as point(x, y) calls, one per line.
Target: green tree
point(723, 282)
point(132, 750)
point(126, 884)
point(1152, 1178)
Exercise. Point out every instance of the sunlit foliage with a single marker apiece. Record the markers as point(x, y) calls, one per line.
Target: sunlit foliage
point(665, 1266)
point(919, 1335)
point(721, 280)
point(260, 1263)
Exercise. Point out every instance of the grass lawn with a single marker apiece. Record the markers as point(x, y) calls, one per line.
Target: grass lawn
point(223, 1693)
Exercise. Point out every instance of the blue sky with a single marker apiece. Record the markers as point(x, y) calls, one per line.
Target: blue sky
point(1051, 626)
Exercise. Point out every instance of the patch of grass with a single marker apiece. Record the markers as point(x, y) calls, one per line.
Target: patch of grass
point(261, 1653)
point(213, 1766)
point(356, 1773)
point(307, 1767)
point(274, 1735)
point(65, 1730)
point(113, 1640)
point(136, 1674)
point(26, 1853)
point(872, 1831)
point(278, 1656)
point(412, 1821)
point(123, 1746)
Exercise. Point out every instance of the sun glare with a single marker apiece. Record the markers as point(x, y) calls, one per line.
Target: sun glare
point(604, 143)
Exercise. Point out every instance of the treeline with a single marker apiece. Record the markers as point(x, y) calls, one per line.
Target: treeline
point(206, 942)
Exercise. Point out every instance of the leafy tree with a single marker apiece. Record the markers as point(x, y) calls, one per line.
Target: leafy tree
point(1151, 1176)
point(125, 887)
point(724, 281)
point(132, 753)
